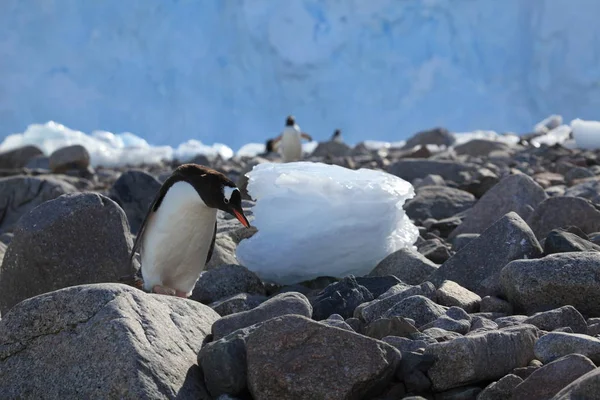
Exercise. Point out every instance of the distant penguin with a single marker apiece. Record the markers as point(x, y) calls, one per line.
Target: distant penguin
point(337, 136)
point(177, 236)
point(291, 141)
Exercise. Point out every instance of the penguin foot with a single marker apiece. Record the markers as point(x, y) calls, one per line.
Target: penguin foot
point(164, 290)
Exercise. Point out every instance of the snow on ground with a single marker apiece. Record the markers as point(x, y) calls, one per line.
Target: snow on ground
point(317, 220)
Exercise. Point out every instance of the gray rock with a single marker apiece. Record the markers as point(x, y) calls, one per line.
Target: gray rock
point(438, 202)
point(483, 324)
point(375, 309)
point(224, 363)
point(555, 345)
point(237, 303)
point(411, 169)
point(438, 135)
point(225, 281)
point(477, 265)
point(419, 308)
point(123, 343)
point(39, 163)
point(594, 330)
point(452, 294)
point(480, 147)
point(21, 194)
point(559, 241)
point(554, 281)
point(487, 356)
point(6, 238)
point(134, 191)
point(340, 298)
point(514, 193)
point(586, 387)
point(337, 321)
point(407, 265)
point(431, 180)
point(501, 389)
point(495, 305)
point(435, 251)
point(511, 320)
point(395, 326)
point(441, 335)
point(2, 251)
point(68, 158)
point(562, 212)
point(282, 304)
point(589, 190)
point(332, 149)
point(448, 324)
point(223, 252)
point(548, 380)
point(462, 240)
point(405, 344)
point(74, 239)
point(577, 173)
point(19, 157)
point(292, 357)
point(463, 393)
point(378, 285)
point(566, 316)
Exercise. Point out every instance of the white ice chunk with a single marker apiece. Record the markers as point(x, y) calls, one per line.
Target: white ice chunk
point(309, 147)
point(548, 124)
point(188, 150)
point(464, 137)
point(251, 150)
point(586, 133)
point(558, 135)
point(317, 220)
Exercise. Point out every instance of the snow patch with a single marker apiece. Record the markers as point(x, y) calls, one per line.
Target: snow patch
point(586, 133)
point(317, 220)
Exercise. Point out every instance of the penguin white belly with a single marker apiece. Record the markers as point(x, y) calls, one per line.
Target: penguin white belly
point(291, 147)
point(177, 240)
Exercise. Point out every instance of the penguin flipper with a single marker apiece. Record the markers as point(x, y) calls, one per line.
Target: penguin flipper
point(212, 245)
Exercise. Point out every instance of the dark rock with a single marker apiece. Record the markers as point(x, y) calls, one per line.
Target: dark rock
point(332, 149)
point(340, 298)
point(69, 158)
point(282, 304)
point(438, 202)
point(548, 380)
point(52, 247)
point(224, 363)
point(337, 321)
point(377, 285)
point(419, 308)
point(356, 324)
point(463, 393)
point(586, 387)
point(6, 237)
point(411, 169)
point(224, 281)
point(452, 294)
point(479, 263)
point(554, 281)
point(480, 147)
point(501, 389)
point(447, 225)
point(439, 136)
point(407, 265)
point(395, 326)
point(482, 182)
point(562, 212)
point(461, 241)
point(435, 251)
point(589, 190)
point(134, 191)
point(324, 362)
point(566, 316)
point(405, 344)
point(514, 193)
point(413, 363)
point(19, 157)
point(495, 304)
point(40, 162)
point(431, 180)
point(555, 345)
point(21, 194)
point(132, 345)
point(487, 356)
point(441, 335)
point(525, 372)
point(237, 303)
point(559, 241)
point(577, 173)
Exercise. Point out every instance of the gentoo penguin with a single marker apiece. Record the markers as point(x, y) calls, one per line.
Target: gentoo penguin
point(177, 236)
point(337, 136)
point(291, 140)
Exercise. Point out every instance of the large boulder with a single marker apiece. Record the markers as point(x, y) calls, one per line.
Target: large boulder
point(438, 136)
point(554, 281)
point(480, 147)
point(478, 264)
point(331, 149)
point(411, 169)
point(74, 239)
point(21, 194)
point(68, 158)
point(19, 157)
point(134, 191)
point(103, 341)
point(563, 212)
point(407, 265)
point(515, 193)
point(438, 202)
point(293, 357)
point(586, 387)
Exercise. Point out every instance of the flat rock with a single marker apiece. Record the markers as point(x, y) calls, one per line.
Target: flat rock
point(501, 389)
point(332, 149)
point(68, 158)
point(395, 326)
point(74, 239)
point(237, 303)
point(21, 194)
point(282, 304)
point(134, 191)
point(566, 316)
point(562, 212)
point(586, 387)
point(480, 147)
point(487, 356)
point(477, 265)
point(559, 241)
point(132, 345)
point(548, 380)
point(407, 265)
point(514, 193)
point(19, 157)
point(418, 308)
point(224, 281)
point(438, 202)
point(340, 298)
point(554, 281)
point(438, 135)
point(411, 169)
point(452, 294)
point(555, 345)
point(292, 357)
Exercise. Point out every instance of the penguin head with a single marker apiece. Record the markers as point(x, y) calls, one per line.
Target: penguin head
point(214, 188)
point(337, 133)
point(290, 121)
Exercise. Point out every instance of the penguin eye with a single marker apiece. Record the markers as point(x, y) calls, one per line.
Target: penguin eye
point(226, 200)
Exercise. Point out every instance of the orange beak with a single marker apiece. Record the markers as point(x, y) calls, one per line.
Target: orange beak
point(242, 218)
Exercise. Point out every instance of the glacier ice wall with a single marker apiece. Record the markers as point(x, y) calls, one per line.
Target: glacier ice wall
point(230, 71)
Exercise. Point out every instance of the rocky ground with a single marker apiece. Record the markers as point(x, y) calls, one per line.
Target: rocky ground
point(501, 300)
